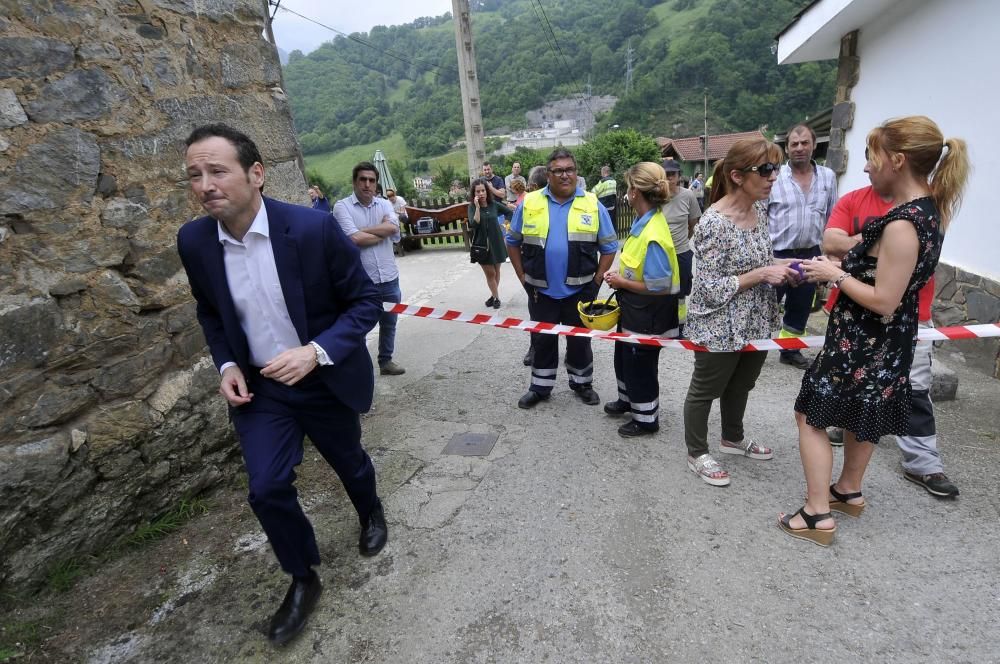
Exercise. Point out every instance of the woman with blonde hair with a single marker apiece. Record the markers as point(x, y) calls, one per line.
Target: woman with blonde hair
point(647, 285)
point(732, 301)
point(860, 379)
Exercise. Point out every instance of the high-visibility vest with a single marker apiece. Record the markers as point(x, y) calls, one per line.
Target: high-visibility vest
point(651, 313)
point(583, 225)
point(633, 258)
point(605, 188)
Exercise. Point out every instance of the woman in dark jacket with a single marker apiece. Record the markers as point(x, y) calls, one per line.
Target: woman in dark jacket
point(484, 213)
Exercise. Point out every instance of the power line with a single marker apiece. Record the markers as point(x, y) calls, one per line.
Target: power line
point(566, 63)
point(391, 54)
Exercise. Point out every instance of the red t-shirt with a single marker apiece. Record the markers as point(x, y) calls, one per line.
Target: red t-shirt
point(850, 214)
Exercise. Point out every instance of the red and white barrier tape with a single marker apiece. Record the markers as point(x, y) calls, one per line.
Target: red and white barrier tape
point(932, 334)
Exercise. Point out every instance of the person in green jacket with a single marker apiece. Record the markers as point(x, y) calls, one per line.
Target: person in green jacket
point(484, 213)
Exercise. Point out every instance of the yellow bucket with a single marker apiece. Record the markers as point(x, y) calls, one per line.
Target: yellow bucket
point(599, 314)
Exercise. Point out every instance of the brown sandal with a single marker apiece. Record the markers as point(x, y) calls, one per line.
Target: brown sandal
point(838, 502)
point(810, 532)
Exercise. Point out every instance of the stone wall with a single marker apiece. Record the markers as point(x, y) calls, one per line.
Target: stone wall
point(109, 413)
point(963, 298)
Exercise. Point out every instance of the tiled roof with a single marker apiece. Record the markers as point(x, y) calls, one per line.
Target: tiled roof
point(690, 149)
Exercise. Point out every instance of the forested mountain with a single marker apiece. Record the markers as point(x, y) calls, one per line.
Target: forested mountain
point(404, 78)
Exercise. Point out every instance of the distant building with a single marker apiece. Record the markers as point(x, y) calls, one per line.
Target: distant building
point(690, 152)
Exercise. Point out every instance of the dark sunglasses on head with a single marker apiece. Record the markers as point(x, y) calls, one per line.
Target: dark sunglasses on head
point(763, 170)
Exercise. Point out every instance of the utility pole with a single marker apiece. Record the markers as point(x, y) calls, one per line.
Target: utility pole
point(629, 52)
point(705, 172)
point(475, 145)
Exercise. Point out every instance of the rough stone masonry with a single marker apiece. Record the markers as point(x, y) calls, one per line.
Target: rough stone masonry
point(108, 408)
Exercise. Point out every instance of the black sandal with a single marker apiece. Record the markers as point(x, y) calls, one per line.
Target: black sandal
point(838, 502)
point(810, 532)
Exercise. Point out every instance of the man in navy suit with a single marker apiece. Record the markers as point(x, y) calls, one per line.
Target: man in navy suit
point(285, 305)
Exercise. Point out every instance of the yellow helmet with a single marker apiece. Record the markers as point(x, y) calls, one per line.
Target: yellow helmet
point(599, 314)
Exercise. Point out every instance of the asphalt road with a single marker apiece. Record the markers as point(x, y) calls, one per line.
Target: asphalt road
point(570, 544)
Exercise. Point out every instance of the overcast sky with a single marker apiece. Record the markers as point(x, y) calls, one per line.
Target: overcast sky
point(292, 32)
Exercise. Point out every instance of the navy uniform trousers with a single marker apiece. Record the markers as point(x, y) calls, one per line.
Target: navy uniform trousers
point(579, 356)
point(271, 429)
point(637, 369)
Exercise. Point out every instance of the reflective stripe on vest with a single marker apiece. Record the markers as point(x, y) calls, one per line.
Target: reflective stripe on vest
point(633, 258)
point(605, 188)
point(583, 223)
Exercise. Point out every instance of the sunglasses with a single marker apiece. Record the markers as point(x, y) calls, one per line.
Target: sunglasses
point(560, 172)
point(763, 170)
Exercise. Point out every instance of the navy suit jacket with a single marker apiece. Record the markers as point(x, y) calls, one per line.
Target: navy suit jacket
point(329, 297)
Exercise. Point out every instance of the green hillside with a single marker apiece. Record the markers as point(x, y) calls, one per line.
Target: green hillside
point(403, 82)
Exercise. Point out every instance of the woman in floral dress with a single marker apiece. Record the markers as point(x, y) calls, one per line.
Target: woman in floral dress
point(860, 379)
point(732, 302)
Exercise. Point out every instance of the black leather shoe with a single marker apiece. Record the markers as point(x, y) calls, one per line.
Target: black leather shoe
point(617, 407)
point(294, 611)
point(496, 303)
point(489, 302)
point(531, 399)
point(632, 429)
point(795, 359)
point(374, 532)
point(529, 357)
point(588, 396)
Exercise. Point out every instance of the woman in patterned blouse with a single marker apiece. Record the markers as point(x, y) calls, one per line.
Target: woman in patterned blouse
point(732, 301)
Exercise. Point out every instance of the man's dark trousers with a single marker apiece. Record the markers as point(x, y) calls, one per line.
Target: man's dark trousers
point(798, 299)
point(271, 429)
point(579, 356)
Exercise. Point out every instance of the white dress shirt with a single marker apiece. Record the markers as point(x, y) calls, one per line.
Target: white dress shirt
point(256, 291)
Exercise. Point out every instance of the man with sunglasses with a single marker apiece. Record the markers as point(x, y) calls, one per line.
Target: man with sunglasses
point(798, 209)
point(561, 242)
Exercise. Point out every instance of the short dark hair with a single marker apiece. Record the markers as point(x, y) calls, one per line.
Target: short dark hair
point(246, 150)
point(802, 125)
point(363, 166)
point(560, 153)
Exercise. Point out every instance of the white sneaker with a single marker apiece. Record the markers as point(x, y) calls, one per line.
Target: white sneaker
point(709, 470)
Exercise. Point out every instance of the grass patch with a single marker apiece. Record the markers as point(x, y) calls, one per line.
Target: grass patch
point(335, 167)
point(167, 523)
point(458, 159)
point(674, 23)
point(63, 575)
point(17, 638)
point(399, 94)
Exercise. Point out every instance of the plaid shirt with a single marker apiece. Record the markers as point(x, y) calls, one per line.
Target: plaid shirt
point(796, 219)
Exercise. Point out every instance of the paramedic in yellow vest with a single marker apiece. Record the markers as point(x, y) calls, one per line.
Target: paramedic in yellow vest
point(561, 242)
point(606, 191)
point(648, 287)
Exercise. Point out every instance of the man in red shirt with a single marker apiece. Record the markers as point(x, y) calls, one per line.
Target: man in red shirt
point(921, 461)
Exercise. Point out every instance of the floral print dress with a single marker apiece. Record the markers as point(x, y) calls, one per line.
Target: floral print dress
point(861, 379)
point(720, 317)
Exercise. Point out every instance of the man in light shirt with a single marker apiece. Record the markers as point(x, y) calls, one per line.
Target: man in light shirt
point(372, 224)
point(515, 176)
point(288, 369)
point(800, 204)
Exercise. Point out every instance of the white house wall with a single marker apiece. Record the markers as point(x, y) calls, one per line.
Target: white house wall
point(938, 59)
